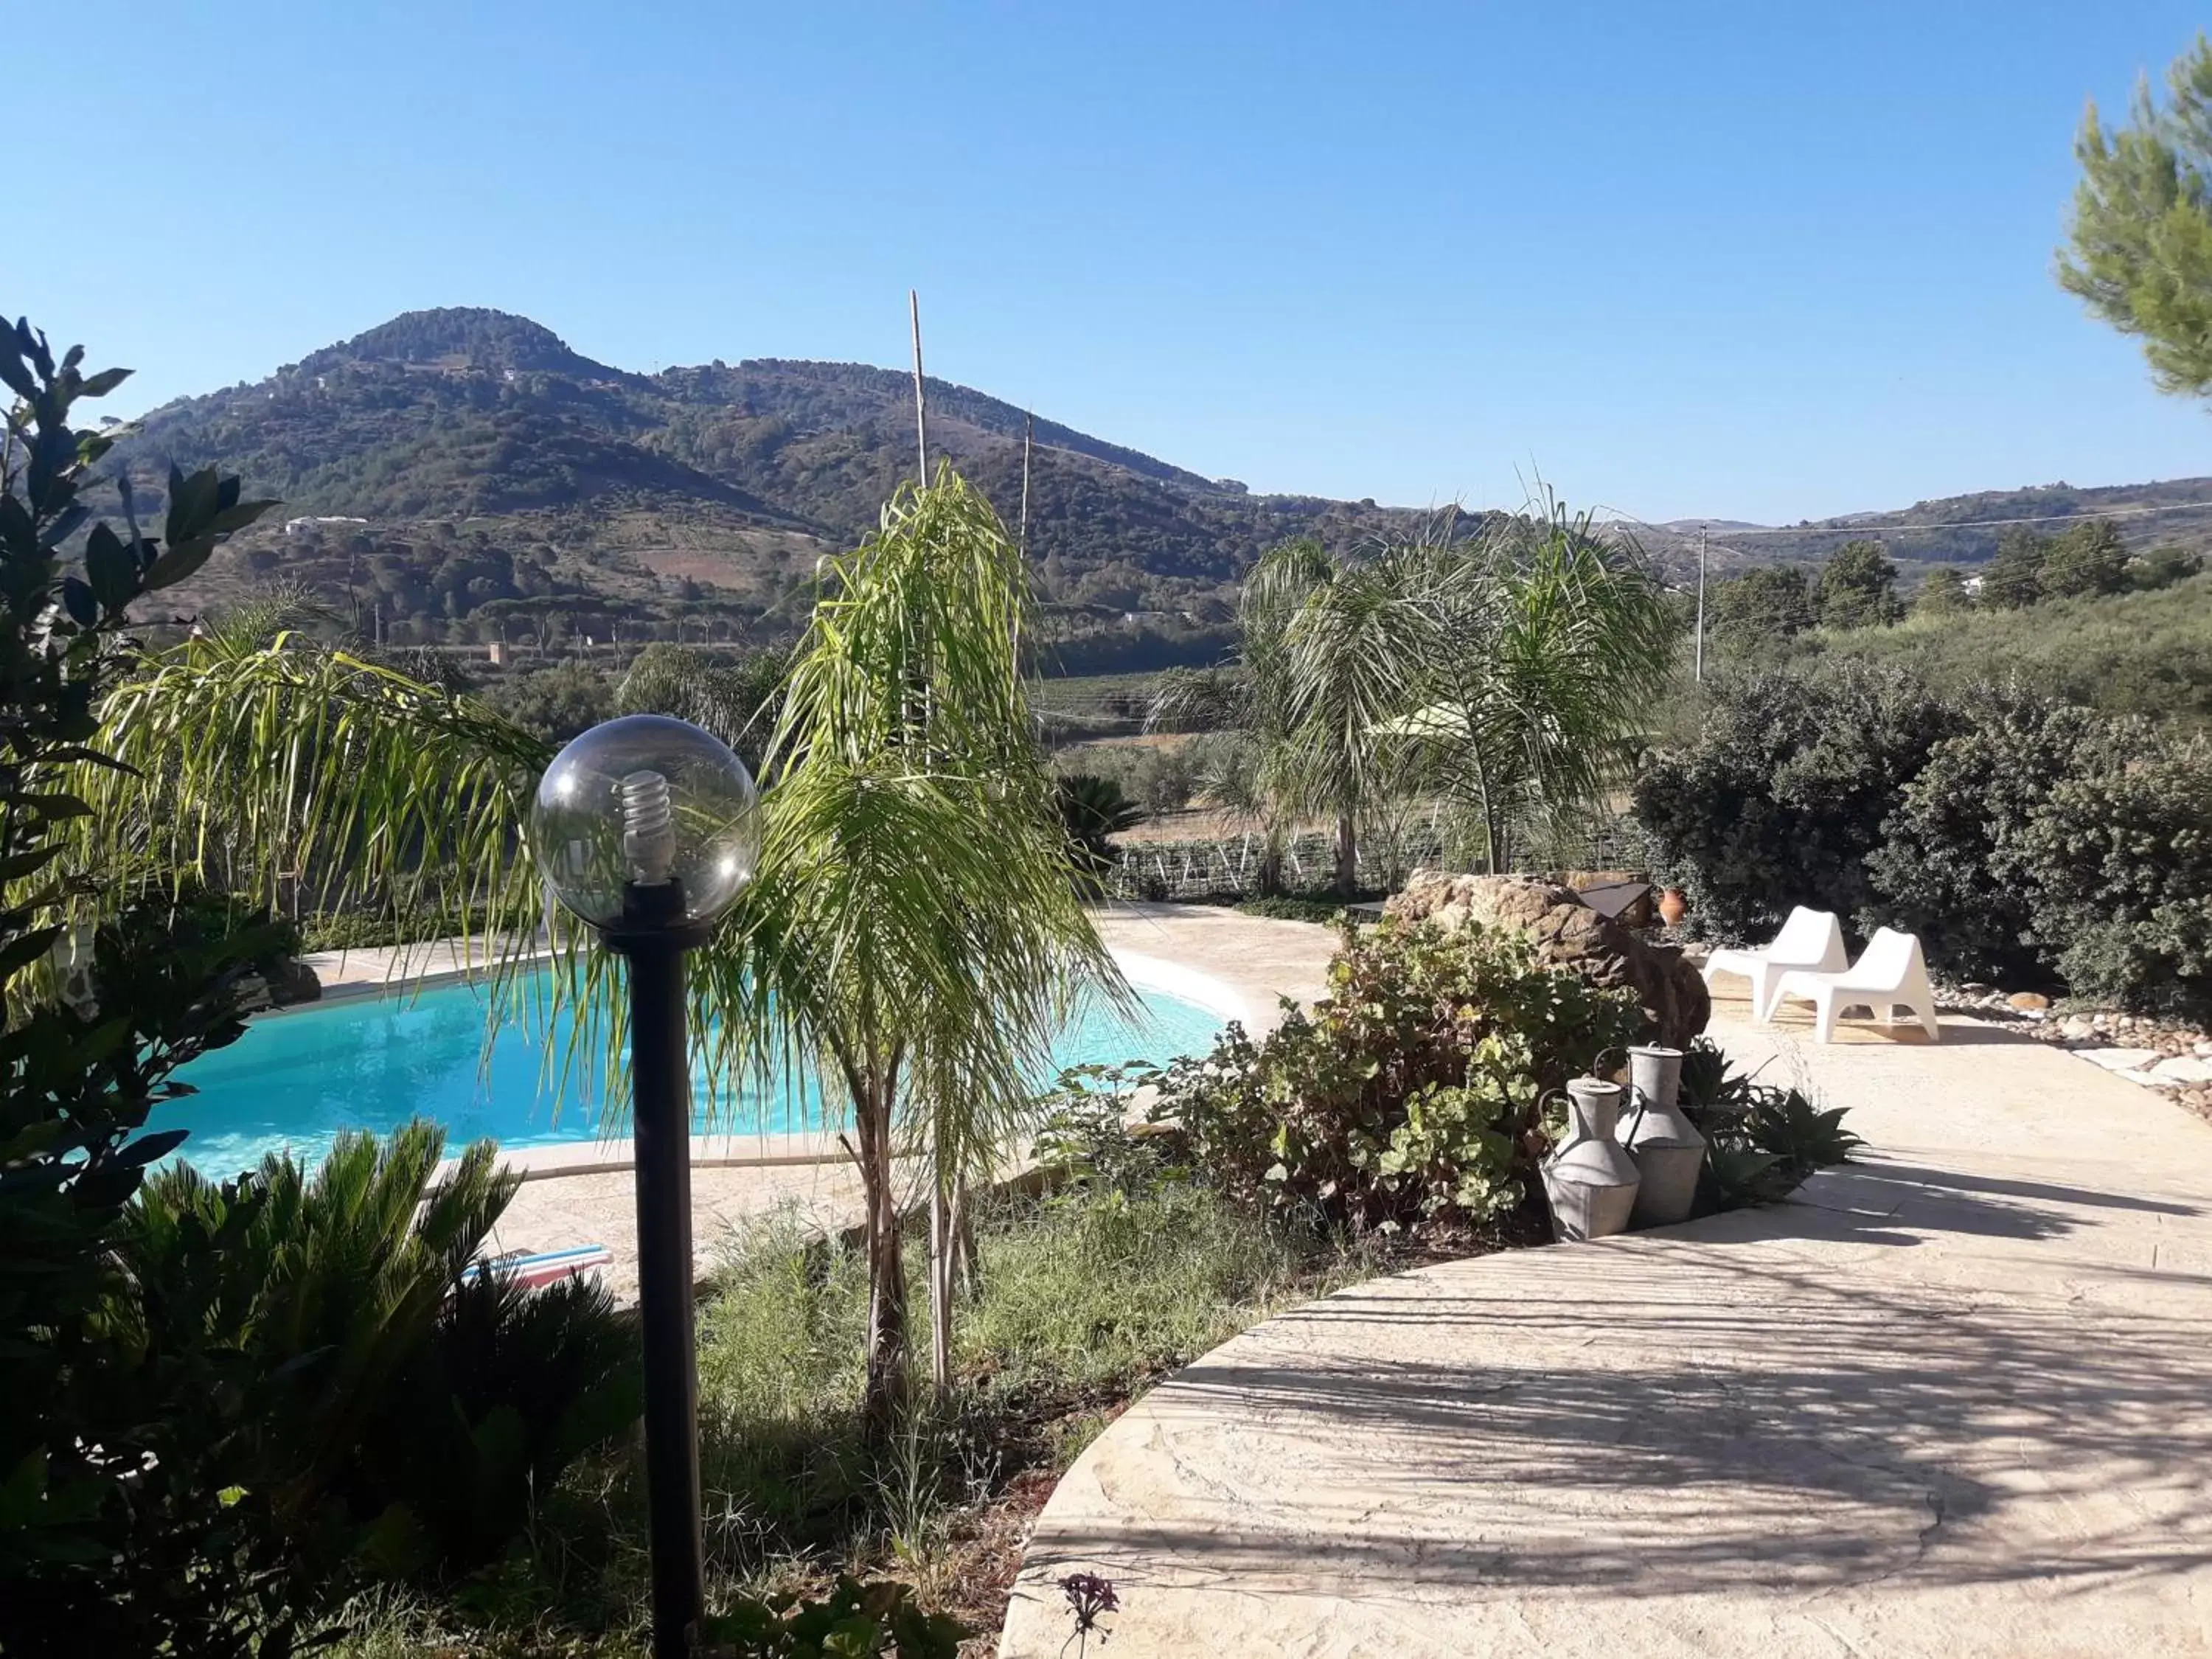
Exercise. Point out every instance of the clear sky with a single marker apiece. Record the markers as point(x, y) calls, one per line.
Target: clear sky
point(1765, 261)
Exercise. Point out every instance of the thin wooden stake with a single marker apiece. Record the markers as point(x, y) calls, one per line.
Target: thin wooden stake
point(1028, 442)
point(920, 402)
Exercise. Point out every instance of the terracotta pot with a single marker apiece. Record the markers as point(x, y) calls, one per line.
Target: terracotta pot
point(1672, 907)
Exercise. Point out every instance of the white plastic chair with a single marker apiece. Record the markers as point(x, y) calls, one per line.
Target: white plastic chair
point(1810, 939)
point(1890, 973)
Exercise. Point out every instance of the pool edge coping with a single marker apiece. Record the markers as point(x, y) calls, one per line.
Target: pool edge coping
point(615, 1155)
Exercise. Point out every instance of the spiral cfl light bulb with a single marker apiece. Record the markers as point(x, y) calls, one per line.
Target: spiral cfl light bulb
point(648, 827)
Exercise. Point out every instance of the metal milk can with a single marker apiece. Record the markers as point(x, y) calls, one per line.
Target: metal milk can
point(1666, 1145)
point(1590, 1181)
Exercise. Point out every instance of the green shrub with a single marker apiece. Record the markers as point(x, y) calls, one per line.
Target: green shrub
point(401, 1422)
point(1783, 796)
point(856, 1618)
point(2120, 857)
point(1761, 1142)
point(1951, 869)
point(2020, 838)
point(1412, 1090)
point(108, 1542)
point(1286, 907)
point(368, 930)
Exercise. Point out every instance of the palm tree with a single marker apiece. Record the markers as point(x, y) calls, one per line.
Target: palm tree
point(913, 931)
point(1357, 635)
point(1545, 649)
point(912, 934)
point(1326, 651)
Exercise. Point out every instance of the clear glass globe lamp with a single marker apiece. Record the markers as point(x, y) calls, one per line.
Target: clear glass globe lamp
point(646, 821)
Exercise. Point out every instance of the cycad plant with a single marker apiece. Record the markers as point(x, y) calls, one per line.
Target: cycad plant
point(398, 1419)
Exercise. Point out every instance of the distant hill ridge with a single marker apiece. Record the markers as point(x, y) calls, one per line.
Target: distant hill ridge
point(454, 429)
point(1964, 529)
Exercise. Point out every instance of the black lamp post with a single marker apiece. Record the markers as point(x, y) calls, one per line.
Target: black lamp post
point(645, 828)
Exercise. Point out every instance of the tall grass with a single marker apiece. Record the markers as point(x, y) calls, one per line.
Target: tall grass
point(1080, 1301)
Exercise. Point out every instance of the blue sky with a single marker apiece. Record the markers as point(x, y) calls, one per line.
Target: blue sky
point(1760, 261)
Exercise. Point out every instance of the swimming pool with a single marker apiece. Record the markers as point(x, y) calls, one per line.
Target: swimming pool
point(297, 1077)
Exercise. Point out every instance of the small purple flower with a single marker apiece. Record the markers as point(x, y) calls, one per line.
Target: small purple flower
point(1089, 1596)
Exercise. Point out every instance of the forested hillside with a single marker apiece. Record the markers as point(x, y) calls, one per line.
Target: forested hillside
point(462, 474)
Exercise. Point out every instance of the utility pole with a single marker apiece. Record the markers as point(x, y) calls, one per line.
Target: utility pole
point(1701, 604)
point(921, 404)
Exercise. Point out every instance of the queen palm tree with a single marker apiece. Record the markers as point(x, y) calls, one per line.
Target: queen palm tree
point(912, 934)
point(1326, 652)
point(1546, 648)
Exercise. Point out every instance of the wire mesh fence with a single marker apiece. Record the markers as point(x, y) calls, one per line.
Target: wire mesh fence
point(1231, 867)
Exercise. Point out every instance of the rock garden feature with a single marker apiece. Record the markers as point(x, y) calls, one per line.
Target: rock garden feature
point(1567, 933)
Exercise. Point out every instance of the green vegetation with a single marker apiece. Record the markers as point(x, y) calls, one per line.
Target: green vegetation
point(2139, 246)
point(2144, 652)
point(1412, 1092)
point(1762, 1141)
point(1082, 1298)
point(250, 1397)
point(1092, 810)
point(2019, 837)
point(1857, 587)
point(1502, 674)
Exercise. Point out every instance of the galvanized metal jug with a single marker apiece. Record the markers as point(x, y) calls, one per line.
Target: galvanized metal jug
point(1590, 1180)
point(1668, 1149)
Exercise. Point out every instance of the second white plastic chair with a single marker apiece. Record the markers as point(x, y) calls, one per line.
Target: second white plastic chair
point(1890, 973)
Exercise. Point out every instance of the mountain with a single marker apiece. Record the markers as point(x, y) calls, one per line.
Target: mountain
point(459, 461)
point(458, 475)
point(1956, 528)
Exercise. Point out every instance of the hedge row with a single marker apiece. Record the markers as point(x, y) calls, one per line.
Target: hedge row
point(2024, 840)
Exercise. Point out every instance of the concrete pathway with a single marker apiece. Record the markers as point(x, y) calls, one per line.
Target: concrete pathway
point(1957, 1401)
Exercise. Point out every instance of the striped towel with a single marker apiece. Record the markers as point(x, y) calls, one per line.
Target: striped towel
point(531, 1269)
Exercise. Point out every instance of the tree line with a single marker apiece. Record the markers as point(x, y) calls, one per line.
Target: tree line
point(1858, 585)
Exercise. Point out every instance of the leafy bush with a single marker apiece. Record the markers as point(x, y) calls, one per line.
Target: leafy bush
point(1783, 796)
point(1291, 907)
point(107, 1545)
point(854, 1621)
point(1951, 869)
point(2119, 857)
point(402, 1421)
point(2021, 838)
point(1410, 1092)
point(367, 930)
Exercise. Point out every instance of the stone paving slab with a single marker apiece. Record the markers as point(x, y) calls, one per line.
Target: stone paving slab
point(1952, 1401)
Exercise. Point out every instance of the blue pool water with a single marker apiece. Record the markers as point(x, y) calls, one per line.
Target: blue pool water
point(297, 1078)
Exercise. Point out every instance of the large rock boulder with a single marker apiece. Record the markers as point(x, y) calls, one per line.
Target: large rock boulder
point(1568, 933)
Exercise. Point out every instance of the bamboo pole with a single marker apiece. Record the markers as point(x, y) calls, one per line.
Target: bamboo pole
point(921, 399)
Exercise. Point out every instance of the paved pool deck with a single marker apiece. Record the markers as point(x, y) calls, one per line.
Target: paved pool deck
point(1238, 966)
point(1955, 1400)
